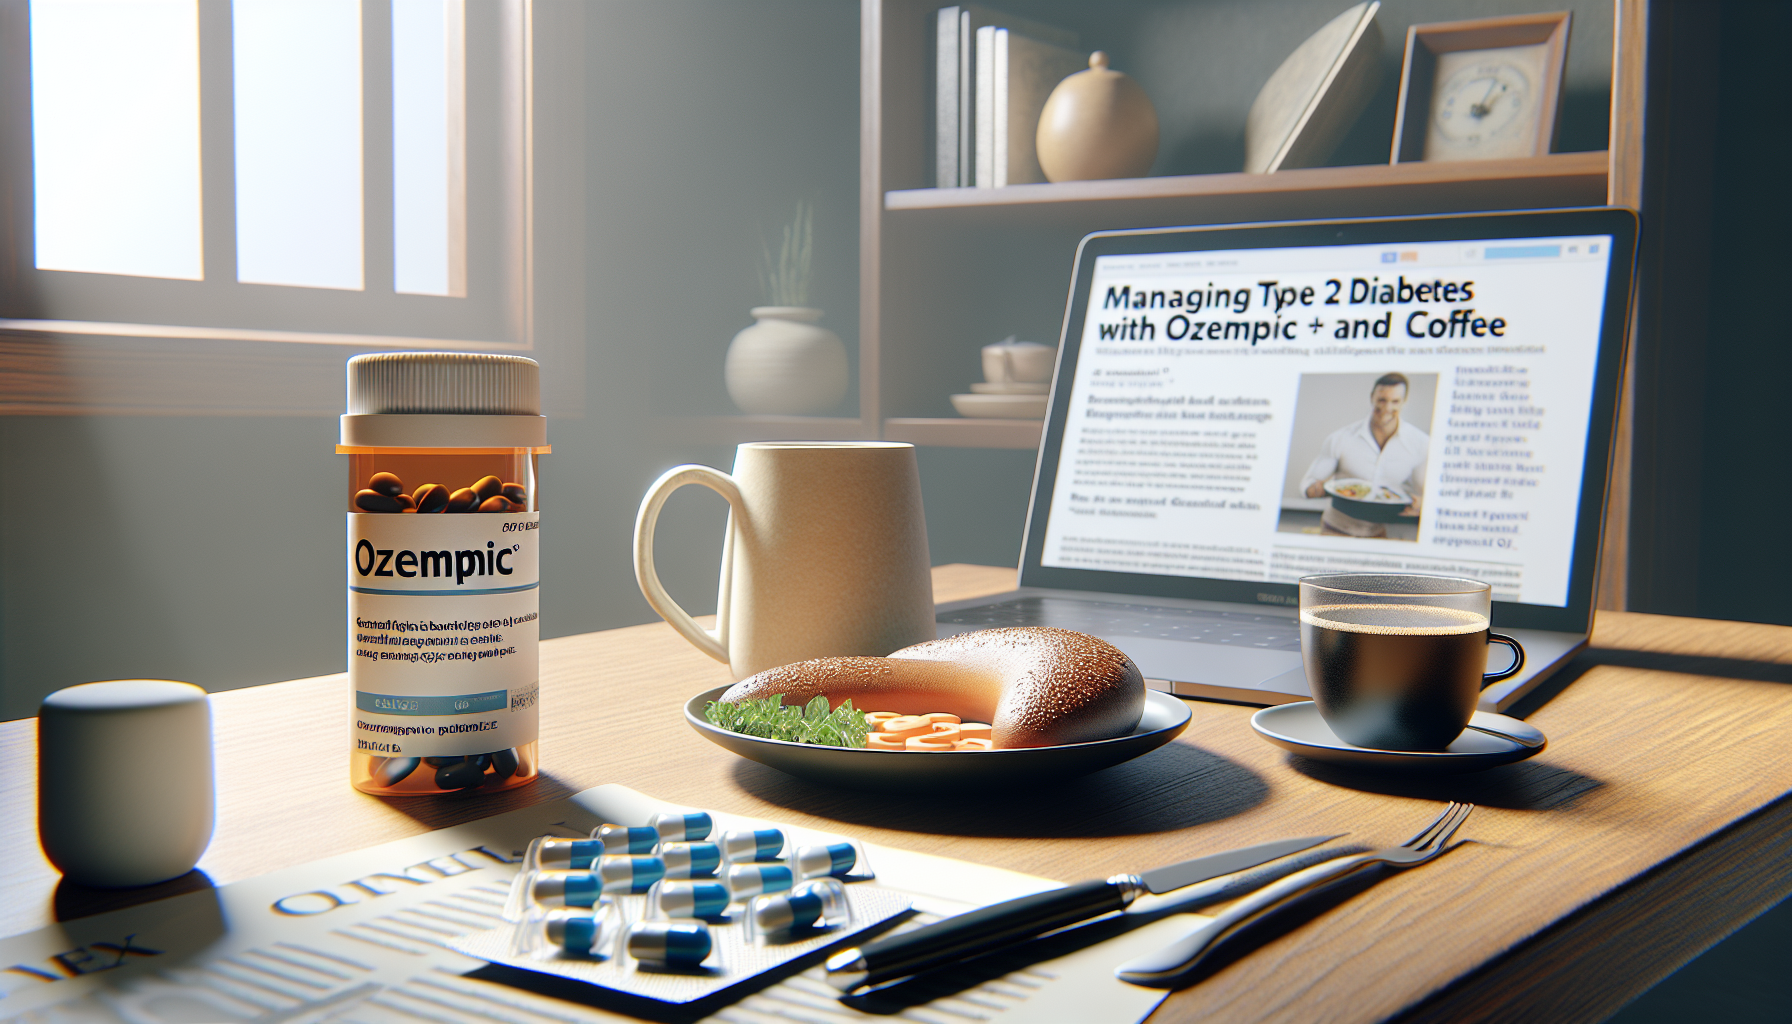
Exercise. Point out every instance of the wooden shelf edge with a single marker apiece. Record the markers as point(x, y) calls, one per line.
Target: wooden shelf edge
point(965, 433)
point(740, 429)
point(1583, 166)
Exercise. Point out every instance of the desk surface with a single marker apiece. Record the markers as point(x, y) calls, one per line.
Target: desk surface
point(1655, 823)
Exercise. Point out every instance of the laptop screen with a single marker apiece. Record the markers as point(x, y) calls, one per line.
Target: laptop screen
point(1257, 413)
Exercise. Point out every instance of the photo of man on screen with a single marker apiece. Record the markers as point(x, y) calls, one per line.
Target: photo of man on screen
point(1380, 449)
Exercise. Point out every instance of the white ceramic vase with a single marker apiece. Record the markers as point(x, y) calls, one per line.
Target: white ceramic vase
point(786, 364)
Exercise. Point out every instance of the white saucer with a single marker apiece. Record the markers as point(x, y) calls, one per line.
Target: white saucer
point(1489, 741)
point(1014, 387)
point(1000, 407)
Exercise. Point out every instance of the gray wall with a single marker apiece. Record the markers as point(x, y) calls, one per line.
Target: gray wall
point(167, 547)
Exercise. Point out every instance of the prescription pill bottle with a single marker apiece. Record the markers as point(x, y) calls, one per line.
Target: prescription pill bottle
point(443, 570)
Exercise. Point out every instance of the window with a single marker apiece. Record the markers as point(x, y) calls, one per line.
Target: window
point(351, 172)
point(109, 79)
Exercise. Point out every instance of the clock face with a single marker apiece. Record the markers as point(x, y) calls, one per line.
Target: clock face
point(1485, 104)
point(1482, 103)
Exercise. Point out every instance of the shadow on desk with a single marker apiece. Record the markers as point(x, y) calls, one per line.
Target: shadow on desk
point(1684, 664)
point(73, 901)
point(1174, 787)
point(1525, 786)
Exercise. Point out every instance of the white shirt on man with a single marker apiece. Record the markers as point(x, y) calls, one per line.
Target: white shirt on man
point(1351, 451)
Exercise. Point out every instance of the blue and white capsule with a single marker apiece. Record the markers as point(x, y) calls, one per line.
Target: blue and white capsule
point(620, 839)
point(549, 853)
point(576, 931)
point(625, 874)
point(759, 844)
point(815, 905)
point(673, 943)
point(565, 889)
point(691, 860)
point(683, 828)
point(817, 861)
point(746, 880)
point(682, 899)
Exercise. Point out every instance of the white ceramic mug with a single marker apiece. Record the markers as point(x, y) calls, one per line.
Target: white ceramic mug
point(825, 553)
point(1018, 362)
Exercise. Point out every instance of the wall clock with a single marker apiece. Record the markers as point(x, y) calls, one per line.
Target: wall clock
point(1481, 90)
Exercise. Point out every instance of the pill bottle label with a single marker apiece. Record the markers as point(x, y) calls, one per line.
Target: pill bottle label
point(443, 631)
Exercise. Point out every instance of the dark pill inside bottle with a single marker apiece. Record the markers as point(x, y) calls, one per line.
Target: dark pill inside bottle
point(465, 775)
point(504, 763)
point(374, 501)
point(390, 771)
point(431, 498)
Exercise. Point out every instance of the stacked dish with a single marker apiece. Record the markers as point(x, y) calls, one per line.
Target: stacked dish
point(1017, 381)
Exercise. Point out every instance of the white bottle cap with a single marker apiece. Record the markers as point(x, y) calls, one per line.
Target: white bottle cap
point(124, 774)
point(443, 400)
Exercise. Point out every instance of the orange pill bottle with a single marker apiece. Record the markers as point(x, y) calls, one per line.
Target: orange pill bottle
point(443, 561)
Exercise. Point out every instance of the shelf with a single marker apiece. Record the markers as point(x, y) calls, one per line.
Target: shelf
point(740, 429)
point(965, 433)
point(1560, 179)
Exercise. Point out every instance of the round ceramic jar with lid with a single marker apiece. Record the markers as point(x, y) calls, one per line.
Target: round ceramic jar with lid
point(443, 570)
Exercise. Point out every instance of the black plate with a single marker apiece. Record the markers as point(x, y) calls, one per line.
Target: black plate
point(909, 771)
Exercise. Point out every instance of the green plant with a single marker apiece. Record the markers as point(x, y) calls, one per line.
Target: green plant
point(785, 278)
point(768, 718)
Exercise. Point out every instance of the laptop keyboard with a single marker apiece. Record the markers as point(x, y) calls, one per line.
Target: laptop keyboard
point(1239, 629)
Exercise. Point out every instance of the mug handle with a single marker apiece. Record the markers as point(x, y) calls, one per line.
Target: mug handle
point(711, 642)
point(1509, 670)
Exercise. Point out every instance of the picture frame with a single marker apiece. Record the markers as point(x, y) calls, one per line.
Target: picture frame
point(1456, 74)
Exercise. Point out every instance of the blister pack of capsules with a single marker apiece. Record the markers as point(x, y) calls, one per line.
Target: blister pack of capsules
point(678, 909)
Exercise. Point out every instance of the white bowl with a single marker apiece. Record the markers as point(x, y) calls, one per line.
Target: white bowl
point(1015, 387)
point(1000, 407)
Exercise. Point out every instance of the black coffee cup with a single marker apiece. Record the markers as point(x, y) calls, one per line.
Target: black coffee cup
point(1397, 661)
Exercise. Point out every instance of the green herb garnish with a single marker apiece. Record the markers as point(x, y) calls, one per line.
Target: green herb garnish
point(768, 718)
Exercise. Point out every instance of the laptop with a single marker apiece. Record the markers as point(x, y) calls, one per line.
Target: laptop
point(1237, 407)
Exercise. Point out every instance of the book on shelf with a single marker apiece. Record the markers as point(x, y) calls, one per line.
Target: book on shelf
point(955, 78)
point(1015, 76)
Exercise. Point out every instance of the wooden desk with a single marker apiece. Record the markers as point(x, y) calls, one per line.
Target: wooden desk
point(1655, 823)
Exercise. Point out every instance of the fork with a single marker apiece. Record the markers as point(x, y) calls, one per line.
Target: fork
point(1173, 961)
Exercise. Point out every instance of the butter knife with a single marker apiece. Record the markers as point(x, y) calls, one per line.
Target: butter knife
point(1004, 924)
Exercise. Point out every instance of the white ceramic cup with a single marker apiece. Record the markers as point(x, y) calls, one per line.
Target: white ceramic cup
point(124, 781)
point(825, 554)
point(1023, 362)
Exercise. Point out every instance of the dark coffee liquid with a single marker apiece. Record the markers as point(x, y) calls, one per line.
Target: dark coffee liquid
point(1394, 677)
